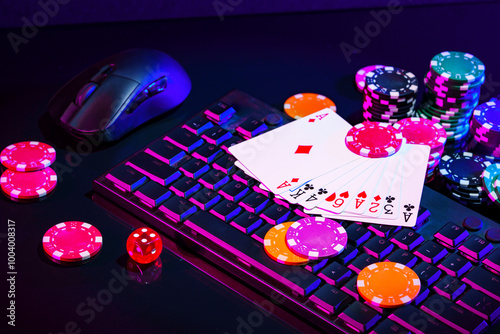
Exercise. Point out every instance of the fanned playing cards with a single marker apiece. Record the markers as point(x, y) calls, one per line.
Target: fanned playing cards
point(366, 173)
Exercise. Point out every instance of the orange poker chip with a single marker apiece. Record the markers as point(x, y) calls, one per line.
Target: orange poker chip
point(277, 249)
point(388, 284)
point(305, 104)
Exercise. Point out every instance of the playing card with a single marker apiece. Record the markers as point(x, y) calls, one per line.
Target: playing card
point(299, 151)
point(410, 177)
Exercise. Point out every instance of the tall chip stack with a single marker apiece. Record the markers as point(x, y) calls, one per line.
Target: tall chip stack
point(390, 95)
point(453, 85)
point(484, 138)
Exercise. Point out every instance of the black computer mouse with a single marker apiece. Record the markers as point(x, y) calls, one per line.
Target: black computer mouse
point(119, 93)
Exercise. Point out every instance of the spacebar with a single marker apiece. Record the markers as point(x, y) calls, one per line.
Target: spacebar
point(251, 252)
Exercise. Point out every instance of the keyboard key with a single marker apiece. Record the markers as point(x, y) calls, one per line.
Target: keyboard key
point(247, 222)
point(177, 208)
point(418, 321)
point(225, 163)
point(205, 198)
point(155, 169)
point(422, 295)
point(403, 257)
point(260, 233)
point(214, 179)
point(207, 153)
point(185, 187)
point(240, 176)
point(430, 252)
point(423, 217)
point(254, 202)
point(165, 151)
point(451, 235)
point(357, 234)
point(297, 279)
point(378, 247)
point(449, 287)
point(407, 239)
point(152, 194)
point(480, 304)
point(234, 191)
point(198, 125)
point(492, 261)
point(194, 168)
point(384, 231)
point(453, 315)
point(184, 139)
point(473, 223)
point(427, 273)
point(216, 135)
point(251, 127)
point(262, 191)
point(389, 327)
point(235, 139)
point(455, 265)
point(351, 288)
point(330, 299)
point(475, 248)
point(349, 253)
point(361, 262)
point(225, 210)
point(219, 112)
point(275, 214)
point(335, 274)
point(360, 316)
point(126, 178)
point(484, 281)
point(314, 266)
point(493, 235)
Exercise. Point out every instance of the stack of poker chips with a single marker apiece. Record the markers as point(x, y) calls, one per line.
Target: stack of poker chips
point(484, 137)
point(390, 95)
point(28, 175)
point(453, 86)
point(422, 131)
point(491, 182)
point(462, 175)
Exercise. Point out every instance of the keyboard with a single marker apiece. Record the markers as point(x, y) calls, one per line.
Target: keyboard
point(186, 186)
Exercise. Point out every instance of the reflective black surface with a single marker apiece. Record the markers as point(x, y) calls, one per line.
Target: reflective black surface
point(270, 57)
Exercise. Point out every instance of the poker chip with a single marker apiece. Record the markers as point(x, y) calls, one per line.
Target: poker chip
point(28, 156)
point(72, 241)
point(361, 75)
point(388, 284)
point(423, 132)
point(28, 185)
point(463, 168)
point(485, 129)
point(489, 177)
point(316, 237)
point(304, 104)
point(276, 247)
point(457, 67)
point(373, 139)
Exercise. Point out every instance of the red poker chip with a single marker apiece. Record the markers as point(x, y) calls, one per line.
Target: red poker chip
point(28, 185)
point(28, 156)
point(373, 139)
point(423, 132)
point(72, 241)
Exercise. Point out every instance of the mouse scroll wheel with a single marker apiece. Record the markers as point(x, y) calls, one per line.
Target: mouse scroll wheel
point(84, 93)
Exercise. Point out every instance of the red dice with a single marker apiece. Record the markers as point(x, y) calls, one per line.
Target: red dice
point(144, 245)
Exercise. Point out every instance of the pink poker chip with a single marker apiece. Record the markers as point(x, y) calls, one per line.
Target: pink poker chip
point(316, 237)
point(361, 75)
point(374, 139)
point(28, 185)
point(72, 241)
point(422, 131)
point(28, 156)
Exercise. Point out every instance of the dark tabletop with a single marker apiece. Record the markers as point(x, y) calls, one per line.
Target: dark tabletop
point(270, 57)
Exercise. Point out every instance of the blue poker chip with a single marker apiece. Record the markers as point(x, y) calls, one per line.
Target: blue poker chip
point(463, 168)
point(488, 115)
point(490, 176)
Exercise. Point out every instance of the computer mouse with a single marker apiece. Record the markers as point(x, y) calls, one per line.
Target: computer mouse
point(119, 93)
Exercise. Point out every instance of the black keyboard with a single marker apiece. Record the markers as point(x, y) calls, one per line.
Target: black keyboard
point(185, 184)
